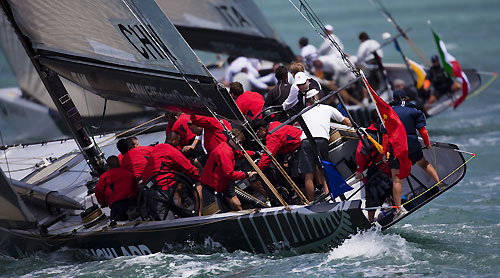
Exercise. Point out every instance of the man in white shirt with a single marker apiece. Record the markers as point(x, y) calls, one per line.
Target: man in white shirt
point(365, 51)
point(295, 100)
point(325, 48)
point(307, 51)
point(367, 60)
point(318, 122)
point(236, 66)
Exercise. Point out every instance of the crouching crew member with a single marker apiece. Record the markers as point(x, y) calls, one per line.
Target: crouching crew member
point(135, 157)
point(284, 141)
point(219, 170)
point(117, 189)
point(166, 157)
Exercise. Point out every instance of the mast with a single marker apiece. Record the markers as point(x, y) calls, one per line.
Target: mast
point(63, 102)
point(378, 4)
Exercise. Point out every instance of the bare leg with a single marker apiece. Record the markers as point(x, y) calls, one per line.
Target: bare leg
point(309, 184)
point(321, 179)
point(257, 186)
point(234, 203)
point(428, 168)
point(371, 216)
point(200, 194)
point(397, 188)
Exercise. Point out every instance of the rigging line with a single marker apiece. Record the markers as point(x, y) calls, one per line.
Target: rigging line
point(494, 76)
point(130, 129)
point(411, 200)
point(344, 57)
point(181, 70)
point(102, 117)
point(5, 156)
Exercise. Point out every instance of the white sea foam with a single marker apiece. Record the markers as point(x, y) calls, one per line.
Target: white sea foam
point(372, 245)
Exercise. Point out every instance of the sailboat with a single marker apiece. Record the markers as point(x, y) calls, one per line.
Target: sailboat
point(129, 51)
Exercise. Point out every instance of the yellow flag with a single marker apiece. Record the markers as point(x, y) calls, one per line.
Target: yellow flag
point(419, 71)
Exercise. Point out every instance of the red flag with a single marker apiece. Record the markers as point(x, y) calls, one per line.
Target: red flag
point(395, 131)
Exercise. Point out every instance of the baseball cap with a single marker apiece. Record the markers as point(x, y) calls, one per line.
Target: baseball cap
point(434, 58)
point(329, 27)
point(399, 94)
point(300, 78)
point(311, 93)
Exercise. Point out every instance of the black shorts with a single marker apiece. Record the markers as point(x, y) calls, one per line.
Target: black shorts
point(228, 193)
point(119, 209)
point(414, 156)
point(307, 158)
point(378, 189)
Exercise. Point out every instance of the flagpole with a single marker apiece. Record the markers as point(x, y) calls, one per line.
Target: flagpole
point(398, 47)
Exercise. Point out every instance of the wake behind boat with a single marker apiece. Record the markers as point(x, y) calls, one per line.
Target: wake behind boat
point(103, 53)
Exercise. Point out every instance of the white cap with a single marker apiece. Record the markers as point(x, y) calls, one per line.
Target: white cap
point(329, 27)
point(311, 93)
point(300, 78)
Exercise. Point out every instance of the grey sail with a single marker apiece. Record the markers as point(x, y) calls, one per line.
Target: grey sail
point(121, 50)
point(14, 213)
point(90, 105)
point(234, 27)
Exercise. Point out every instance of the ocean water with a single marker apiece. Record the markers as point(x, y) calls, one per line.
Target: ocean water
point(456, 235)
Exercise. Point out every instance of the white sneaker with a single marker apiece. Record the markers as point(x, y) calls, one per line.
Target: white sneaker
point(402, 212)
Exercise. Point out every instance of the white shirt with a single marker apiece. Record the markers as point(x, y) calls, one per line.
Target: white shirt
point(318, 120)
point(309, 53)
point(237, 65)
point(292, 98)
point(365, 51)
point(325, 48)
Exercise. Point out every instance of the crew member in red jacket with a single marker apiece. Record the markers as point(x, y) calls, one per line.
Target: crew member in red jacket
point(117, 189)
point(136, 158)
point(283, 141)
point(368, 157)
point(166, 157)
point(188, 139)
point(219, 170)
point(250, 103)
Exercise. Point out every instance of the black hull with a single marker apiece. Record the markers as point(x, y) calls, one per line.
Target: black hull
point(305, 229)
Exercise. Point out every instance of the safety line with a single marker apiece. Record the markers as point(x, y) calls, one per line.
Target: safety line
point(384, 207)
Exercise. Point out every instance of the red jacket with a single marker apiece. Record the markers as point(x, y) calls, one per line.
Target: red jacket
point(213, 132)
point(114, 185)
point(165, 157)
point(364, 158)
point(181, 127)
point(219, 169)
point(284, 140)
point(250, 104)
point(135, 160)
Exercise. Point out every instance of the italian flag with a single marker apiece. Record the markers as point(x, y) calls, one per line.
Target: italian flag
point(452, 67)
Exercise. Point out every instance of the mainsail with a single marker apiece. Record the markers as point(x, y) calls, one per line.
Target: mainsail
point(234, 27)
point(121, 50)
point(89, 105)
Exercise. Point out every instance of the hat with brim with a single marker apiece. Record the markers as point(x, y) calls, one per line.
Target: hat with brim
point(311, 93)
point(300, 78)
